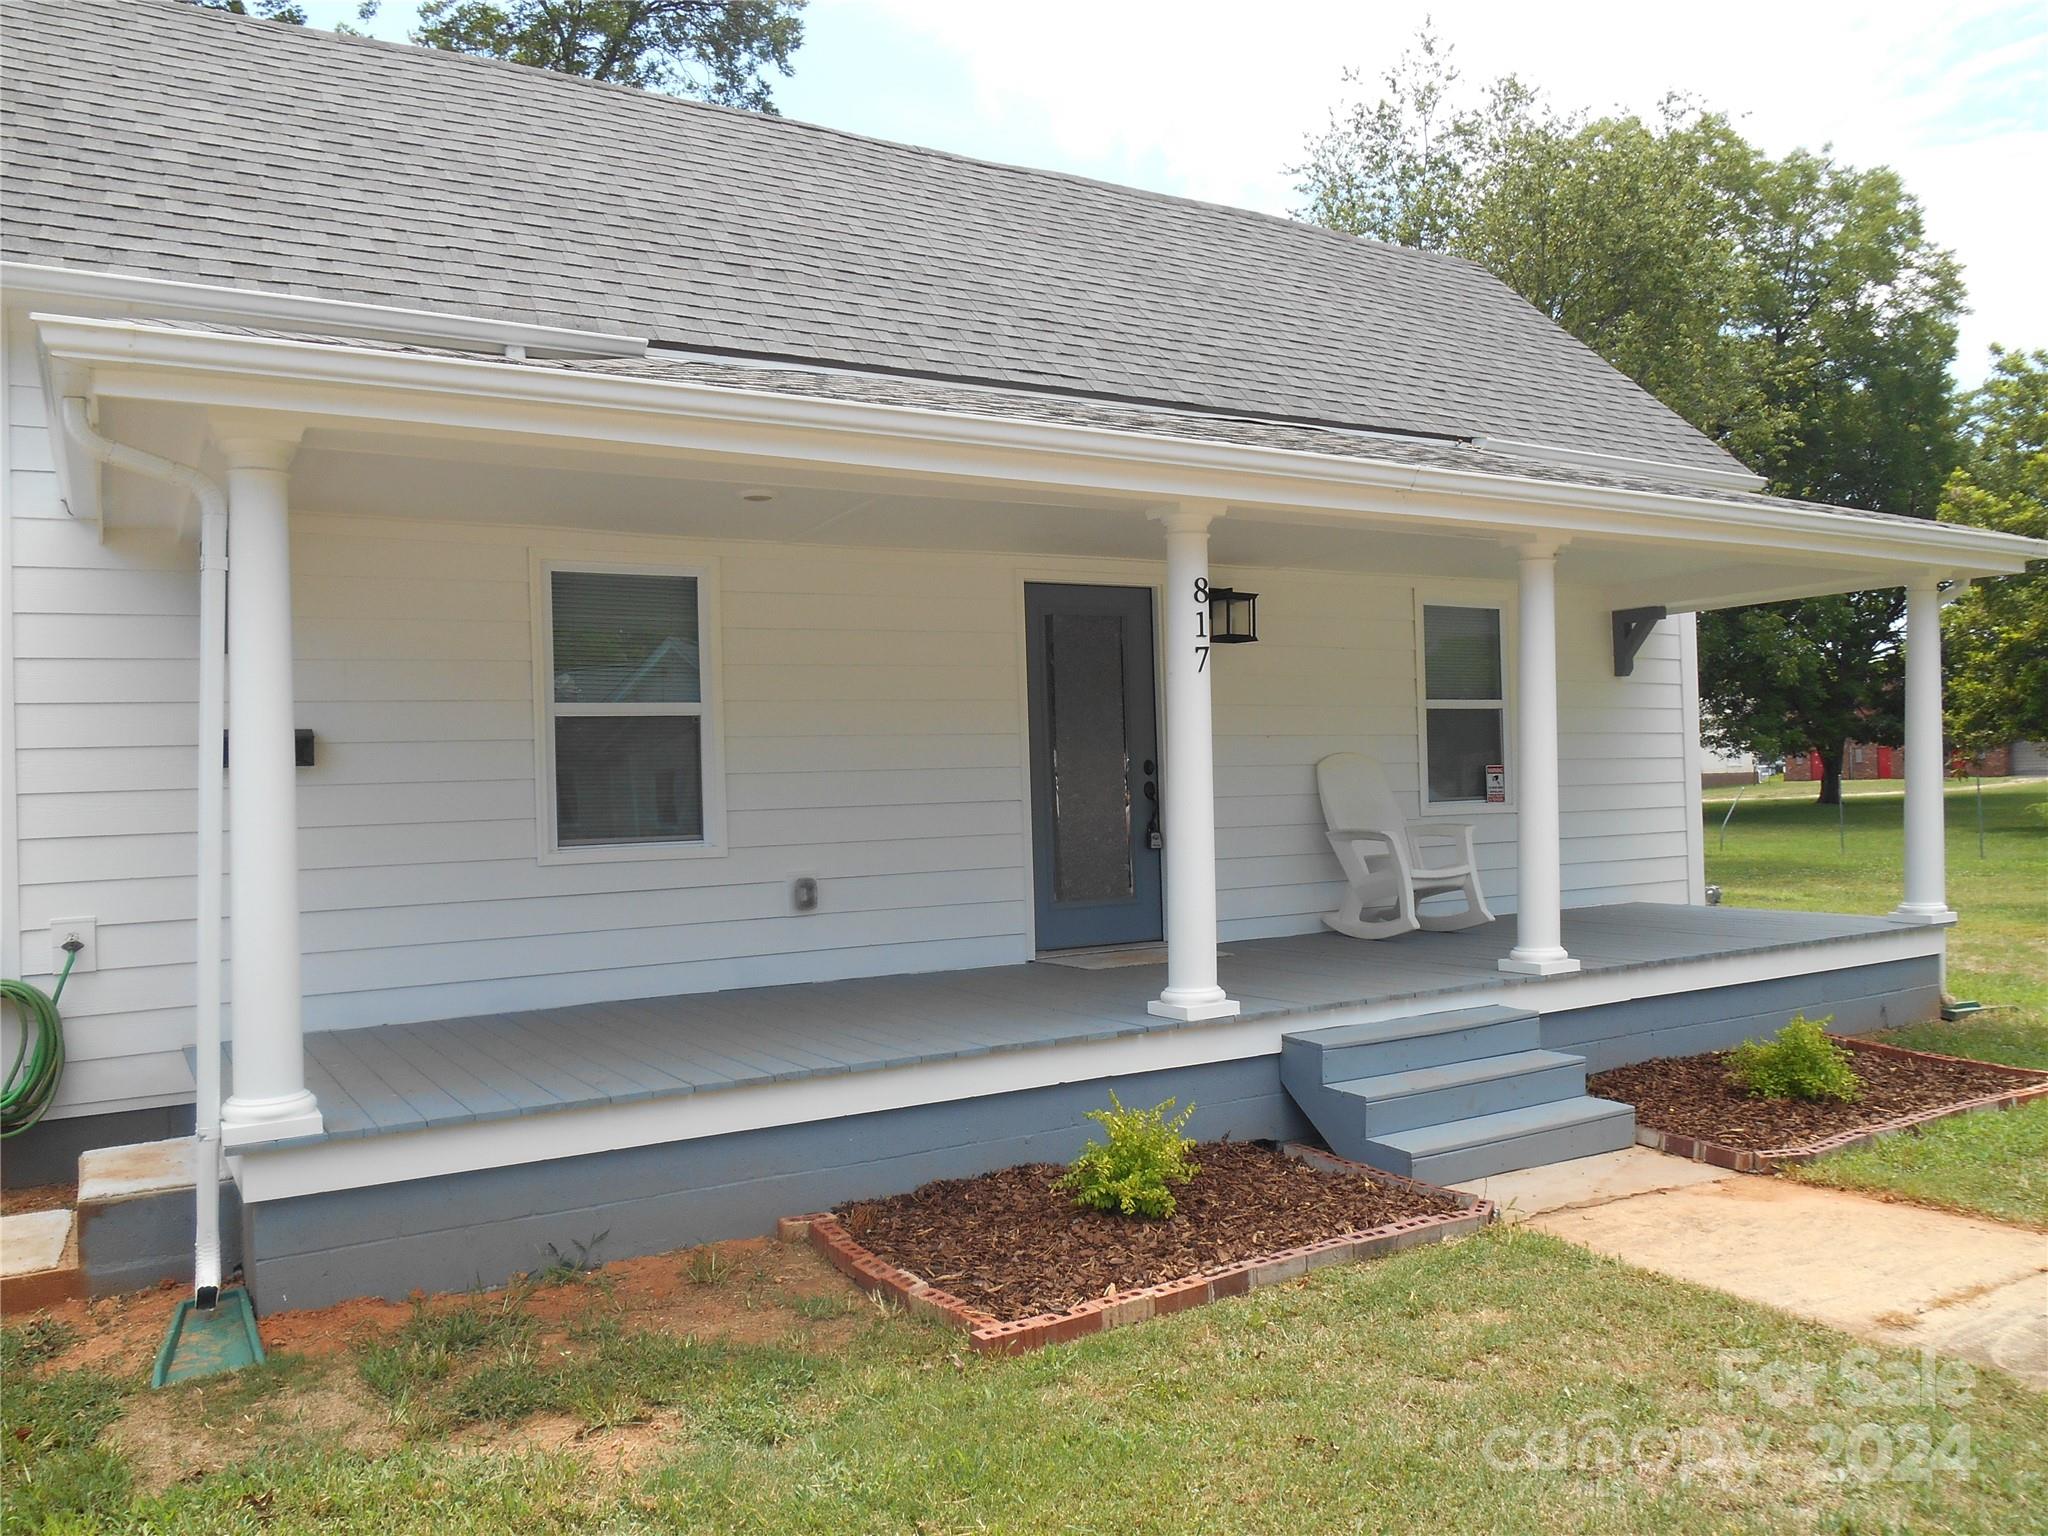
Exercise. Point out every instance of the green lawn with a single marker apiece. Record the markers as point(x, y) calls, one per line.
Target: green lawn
point(1510, 1382)
point(1789, 852)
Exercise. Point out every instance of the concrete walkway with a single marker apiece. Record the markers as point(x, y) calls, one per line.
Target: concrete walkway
point(1902, 1275)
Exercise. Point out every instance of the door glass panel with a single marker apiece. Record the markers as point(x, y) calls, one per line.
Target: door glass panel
point(1091, 780)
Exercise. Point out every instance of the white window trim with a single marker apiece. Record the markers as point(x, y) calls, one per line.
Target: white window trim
point(1465, 597)
point(710, 709)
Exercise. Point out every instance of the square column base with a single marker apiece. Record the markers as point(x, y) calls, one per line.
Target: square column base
point(296, 1122)
point(1193, 1013)
point(1928, 917)
point(1546, 965)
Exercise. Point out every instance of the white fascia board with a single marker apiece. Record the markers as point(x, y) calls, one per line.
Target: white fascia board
point(1702, 593)
point(166, 297)
point(78, 472)
point(1736, 479)
point(291, 1170)
point(313, 380)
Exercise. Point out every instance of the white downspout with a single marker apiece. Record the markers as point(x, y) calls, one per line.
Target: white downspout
point(213, 631)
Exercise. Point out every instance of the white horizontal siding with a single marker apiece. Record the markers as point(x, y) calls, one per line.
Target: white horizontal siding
point(886, 760)
point(873, 731)
point(1335, 671)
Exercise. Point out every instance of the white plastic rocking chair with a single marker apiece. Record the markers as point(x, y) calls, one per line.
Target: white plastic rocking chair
point(1390, 861)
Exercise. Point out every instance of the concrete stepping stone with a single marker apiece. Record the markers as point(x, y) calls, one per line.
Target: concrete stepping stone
point(38, 1260)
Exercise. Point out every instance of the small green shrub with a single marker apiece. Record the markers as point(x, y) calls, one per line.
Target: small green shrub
point(1802, 1063)
point(1131, 1170)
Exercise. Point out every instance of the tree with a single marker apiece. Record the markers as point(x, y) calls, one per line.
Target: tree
point(1792, 309)
point(718, 50)
point(288, 11)
point(1849, 327)
point(269, 10)
point(1996, 634)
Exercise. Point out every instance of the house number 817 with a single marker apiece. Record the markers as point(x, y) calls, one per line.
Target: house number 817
point(1201, 622)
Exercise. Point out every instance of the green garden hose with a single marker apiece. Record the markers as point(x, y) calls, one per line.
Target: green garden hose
point(39, 1058)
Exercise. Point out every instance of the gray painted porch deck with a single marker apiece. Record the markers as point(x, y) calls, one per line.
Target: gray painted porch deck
point(406, 1077)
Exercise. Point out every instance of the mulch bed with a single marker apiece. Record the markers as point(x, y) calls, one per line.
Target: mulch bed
point(1011, 1246)
point(1690, 1105)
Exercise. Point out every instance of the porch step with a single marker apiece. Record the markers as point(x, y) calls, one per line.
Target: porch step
point(1481, 1145)
point(1365, 1050)
point(1449, 1096)
point(39, 1260)
point(1401, 1101)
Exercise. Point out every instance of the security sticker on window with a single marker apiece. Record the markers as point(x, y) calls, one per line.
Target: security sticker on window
point(1496, 784)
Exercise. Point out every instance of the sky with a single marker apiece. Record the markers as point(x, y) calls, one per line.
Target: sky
point(1215, 101)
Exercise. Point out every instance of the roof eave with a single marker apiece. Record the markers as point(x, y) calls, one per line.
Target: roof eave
point(320, 379)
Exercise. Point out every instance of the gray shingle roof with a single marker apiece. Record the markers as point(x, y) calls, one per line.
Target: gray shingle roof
point(957, 399)
point(153, 137)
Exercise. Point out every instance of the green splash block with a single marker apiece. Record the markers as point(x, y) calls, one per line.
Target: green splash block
point(207, 1343)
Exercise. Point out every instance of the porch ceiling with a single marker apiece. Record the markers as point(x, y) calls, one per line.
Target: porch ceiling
point(475, 477)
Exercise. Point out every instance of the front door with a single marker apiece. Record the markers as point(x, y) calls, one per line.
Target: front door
point(1094, 764)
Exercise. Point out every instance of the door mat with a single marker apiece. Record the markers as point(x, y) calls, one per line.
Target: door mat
point(1113, 959)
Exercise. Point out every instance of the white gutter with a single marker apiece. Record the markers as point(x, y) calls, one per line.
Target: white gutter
point(355, 384)
point(303, 312)
point(213, 634)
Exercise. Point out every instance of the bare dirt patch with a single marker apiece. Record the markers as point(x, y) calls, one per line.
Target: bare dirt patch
point(1011, 1245)
point(751, 1291)
point(743, 1291)
point(181, 1436)
point(1695, 1096)
point(314, 1394)
point(38, 1197)
point(611, 1452)
point(115, 1335)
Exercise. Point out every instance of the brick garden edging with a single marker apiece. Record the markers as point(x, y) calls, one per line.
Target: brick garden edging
point(2028, 1084)
point(990, 1335)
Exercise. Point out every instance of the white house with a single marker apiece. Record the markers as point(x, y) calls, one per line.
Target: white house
point(748, 588)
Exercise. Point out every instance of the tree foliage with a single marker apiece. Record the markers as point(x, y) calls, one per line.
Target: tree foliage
point(1996, 634)
point(287, 11)
point(1793, 309)
point(717, 50)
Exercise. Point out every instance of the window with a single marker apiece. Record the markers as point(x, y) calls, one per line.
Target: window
point(1464, 705)
point(629, 732)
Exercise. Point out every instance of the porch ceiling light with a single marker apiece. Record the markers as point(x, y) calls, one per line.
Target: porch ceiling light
point(1233, 616)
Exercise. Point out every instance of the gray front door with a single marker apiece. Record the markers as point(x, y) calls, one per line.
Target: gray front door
point(1094, 764)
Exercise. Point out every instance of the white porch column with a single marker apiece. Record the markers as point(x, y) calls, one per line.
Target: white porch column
point(1539, 895)
point(270, 1100)
point(1926, 899)
point(1189, 780)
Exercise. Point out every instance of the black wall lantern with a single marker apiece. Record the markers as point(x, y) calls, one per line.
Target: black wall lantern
point(1233, 616)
